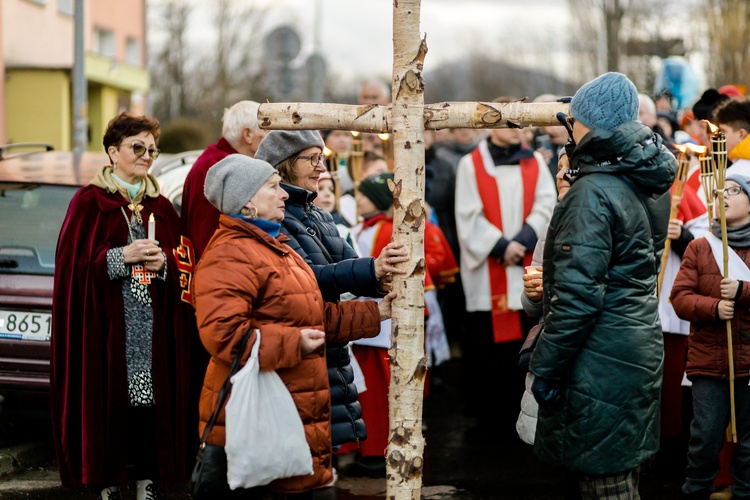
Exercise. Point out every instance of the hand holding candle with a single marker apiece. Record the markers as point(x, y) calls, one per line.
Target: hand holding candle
point(532, 283)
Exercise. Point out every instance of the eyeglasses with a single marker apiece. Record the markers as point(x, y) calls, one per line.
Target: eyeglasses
point(140, 149)
point(315, 160)
point(730, 191)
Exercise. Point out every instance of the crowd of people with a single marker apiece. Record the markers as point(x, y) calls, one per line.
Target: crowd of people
point(290, 233)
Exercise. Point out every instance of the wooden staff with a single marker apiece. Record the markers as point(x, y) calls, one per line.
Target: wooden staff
point(356, 158)
point(677, 187)
point(719, 157)
point(709, 184)
point(385, 142)
point(332, 159)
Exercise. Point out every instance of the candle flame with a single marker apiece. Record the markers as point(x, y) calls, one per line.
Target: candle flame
point(327, 151)
point(682, 149)
point(151, 217)
point(355, 133)
point(710, 127)
point(695, 149)
point(384, 137)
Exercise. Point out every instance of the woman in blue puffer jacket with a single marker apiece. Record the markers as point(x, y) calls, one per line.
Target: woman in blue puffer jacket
point(298, 157)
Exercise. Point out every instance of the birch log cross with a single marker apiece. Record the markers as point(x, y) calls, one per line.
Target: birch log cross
point(406, 119)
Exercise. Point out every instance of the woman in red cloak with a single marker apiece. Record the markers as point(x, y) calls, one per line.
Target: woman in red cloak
point(118, 362)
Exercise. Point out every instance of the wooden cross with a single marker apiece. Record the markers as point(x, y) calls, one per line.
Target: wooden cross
point(406, 119)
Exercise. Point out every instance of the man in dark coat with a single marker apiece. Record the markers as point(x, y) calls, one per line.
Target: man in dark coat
point(598, 362)
point(240, 134)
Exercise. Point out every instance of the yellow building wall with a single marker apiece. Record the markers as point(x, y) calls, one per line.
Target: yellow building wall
point(103, 106)
point(38, 107)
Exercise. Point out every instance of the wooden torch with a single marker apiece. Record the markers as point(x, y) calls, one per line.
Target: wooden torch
point(719, 157)
point(677, 187)
point(332, 159)
point(356, 159)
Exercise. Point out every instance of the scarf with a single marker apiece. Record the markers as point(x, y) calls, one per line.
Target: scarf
point(508, 156)
point(105, 179)
point(133, 189)
point(741, 150)
point(374, 220)
point(737, 236)
point(272, 228)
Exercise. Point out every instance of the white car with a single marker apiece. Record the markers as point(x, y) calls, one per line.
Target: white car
point(170, 171)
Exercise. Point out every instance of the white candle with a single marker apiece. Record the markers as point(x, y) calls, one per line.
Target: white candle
point(151, 227)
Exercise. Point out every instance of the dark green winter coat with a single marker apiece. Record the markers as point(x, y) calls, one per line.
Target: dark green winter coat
point(602, 340)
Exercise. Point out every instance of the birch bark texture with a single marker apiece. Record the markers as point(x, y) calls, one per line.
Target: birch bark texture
point(406, 119)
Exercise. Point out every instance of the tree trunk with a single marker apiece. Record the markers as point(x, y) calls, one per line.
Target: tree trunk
point(408, 360)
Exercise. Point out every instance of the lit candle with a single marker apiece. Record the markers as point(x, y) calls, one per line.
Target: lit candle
point(151, 227)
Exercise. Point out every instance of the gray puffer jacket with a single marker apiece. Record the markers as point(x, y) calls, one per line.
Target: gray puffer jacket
point(602, 339)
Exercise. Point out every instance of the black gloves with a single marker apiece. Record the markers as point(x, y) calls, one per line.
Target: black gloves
point(546, 393)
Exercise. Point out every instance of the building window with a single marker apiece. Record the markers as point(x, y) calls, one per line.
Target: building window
point(65, 7)
point(132, 51)
point(104, 42)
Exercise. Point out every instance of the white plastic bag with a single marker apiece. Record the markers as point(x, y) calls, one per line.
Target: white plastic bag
point(265, 438)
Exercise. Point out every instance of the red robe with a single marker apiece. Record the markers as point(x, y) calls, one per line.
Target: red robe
point(199, 217)
point(89, 387)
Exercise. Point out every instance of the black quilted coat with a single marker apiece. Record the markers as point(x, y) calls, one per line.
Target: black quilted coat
point(339, 269)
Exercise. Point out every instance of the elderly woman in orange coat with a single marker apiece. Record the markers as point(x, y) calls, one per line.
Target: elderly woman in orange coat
point(247, 279)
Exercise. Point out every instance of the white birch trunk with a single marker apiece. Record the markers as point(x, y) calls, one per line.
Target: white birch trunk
point(404, 454)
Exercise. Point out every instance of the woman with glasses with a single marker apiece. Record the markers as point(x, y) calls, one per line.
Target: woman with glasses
point(299, 159)
point(118, 384)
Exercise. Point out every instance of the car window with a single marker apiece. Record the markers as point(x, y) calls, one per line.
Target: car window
point(30, 220)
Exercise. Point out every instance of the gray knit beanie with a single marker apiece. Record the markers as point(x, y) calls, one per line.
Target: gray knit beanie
point(234, 180)
point(743, 181)
point(278, 145)
point(606, 102)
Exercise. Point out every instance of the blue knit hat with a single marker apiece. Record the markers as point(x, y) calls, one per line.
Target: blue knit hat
point(606, 102)
point(743, 181)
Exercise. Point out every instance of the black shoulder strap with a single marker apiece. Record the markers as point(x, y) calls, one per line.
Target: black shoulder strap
point(314, 236)
point(225, 388)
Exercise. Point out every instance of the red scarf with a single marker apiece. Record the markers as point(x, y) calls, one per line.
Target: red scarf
point(506, 324)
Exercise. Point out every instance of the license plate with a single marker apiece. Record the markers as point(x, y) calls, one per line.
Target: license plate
point(25, 325)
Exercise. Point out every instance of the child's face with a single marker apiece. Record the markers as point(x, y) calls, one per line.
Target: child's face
point(339, 141)
point(326, 198)
point(734, 137)
point(365, 207)
point(736, 206)
point(373, 167)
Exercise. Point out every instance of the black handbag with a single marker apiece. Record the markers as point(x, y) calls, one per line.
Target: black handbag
point(527, 349)
point(209, 477)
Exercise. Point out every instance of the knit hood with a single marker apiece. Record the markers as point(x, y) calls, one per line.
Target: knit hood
point(632, 150)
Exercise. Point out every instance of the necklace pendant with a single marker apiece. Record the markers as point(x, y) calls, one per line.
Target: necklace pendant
point(136, 209)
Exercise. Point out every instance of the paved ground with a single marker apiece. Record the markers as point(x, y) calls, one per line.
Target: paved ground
point(458, 465)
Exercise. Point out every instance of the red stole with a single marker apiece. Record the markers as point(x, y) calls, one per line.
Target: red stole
point(506, 324)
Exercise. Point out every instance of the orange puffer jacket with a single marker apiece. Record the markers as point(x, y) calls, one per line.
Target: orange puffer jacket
point(247, 279)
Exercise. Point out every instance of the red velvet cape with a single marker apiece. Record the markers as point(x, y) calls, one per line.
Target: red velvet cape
point(89, 389)
point(199, 217)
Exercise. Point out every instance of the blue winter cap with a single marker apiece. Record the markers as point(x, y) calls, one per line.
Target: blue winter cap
point(606, 102)
point(743, 181)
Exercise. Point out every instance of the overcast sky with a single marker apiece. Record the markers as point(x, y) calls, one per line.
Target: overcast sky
point(356, 36)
